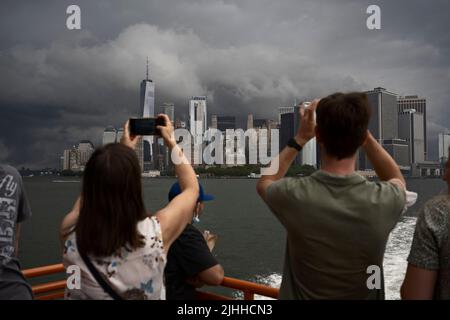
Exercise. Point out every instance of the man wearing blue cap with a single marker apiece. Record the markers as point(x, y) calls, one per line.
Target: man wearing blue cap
point(190, 263)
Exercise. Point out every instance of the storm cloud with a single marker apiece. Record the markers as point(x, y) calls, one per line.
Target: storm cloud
point(59, 86)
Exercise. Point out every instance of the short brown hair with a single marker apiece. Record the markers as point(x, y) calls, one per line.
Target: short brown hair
point(111, 202)
point(342, 121)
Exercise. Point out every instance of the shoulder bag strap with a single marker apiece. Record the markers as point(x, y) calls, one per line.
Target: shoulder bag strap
point(98, 277)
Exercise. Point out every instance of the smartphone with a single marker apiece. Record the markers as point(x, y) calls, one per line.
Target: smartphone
point(145, 126)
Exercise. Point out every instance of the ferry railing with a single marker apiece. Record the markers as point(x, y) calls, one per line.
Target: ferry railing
point(55, 289)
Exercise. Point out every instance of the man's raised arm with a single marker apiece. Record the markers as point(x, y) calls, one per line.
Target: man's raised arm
point(306, 132)
point(385, 167)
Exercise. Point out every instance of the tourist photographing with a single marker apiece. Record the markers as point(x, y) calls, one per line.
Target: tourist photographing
point(14, 209)
point(428, 273)
point(190, 262)
point(337, 222)
point(120, 249)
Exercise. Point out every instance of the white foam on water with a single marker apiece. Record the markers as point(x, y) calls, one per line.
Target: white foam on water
point(397, 250)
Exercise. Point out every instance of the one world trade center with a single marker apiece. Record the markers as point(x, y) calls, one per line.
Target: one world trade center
point(147, 104)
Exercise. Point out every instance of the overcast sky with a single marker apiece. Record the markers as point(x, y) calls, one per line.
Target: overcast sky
point(58, 86)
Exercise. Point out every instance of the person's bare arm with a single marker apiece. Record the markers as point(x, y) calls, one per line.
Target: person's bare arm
point(307, 131)
point(212, 277)
point(179, 212)
point(419, 284)
point(385, 167)
point(69, 221)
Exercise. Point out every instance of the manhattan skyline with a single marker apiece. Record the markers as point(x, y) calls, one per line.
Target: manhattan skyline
point(60, 86)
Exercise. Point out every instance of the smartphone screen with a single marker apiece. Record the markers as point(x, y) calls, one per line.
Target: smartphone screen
point(145, 126)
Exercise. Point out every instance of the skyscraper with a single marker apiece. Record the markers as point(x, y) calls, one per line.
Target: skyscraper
point(119, 134)
point(214, 121)
point(168, 108)
point(412, 126)
point(66, 160)
point(250, 121)
point(289, 125)
point(260, 123)
point(384, 120)
point(399, 151)
point(147, 104)
point(85, 149)
point(283, 110)
point(289, 122)
point(226, 122)
point(444, 143)
point(197, 117)
point(109, 135)
point(383, 123)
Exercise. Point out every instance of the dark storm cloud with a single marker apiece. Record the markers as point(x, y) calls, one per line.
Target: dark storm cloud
point(59, 86)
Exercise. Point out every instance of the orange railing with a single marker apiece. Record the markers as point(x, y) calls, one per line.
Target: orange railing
point(55, 289)
point(48, 290)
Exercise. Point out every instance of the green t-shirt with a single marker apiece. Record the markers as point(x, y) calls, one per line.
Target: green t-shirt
point(337, 226)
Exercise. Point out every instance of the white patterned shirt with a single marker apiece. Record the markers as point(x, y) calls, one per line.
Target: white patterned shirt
point(136, 274)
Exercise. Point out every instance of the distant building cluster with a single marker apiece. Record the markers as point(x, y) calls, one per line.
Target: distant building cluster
point(75, 159)
point(399, 123)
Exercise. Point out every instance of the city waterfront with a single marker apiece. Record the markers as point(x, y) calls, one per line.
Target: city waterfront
point(251, 241)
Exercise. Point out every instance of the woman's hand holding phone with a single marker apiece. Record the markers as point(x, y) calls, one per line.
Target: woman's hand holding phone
point(128, 139)
point(167, 131)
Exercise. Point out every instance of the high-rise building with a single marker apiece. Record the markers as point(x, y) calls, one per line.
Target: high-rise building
point(288, 128)
point(139, 149)
point(383, 123)
point(412, 126)
point(284, 110)
point(76, 158)
point(85, 149)
point(71, 160)
point(399, 151)
point(214, 121)
point(74, 162)
point(197, 117)
point(289, 125)
point(66, 160)
point(226, 122)
point(168, 108)
point(384, 120)
point(250, 121)
point(119, 134)
point(260, 123)
point(444, 143)
point(109, 135)
point(147, 104)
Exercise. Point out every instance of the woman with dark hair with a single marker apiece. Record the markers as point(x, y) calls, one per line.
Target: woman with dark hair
point(119, 248)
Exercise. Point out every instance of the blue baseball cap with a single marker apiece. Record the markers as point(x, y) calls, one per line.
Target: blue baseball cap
point(176, 190)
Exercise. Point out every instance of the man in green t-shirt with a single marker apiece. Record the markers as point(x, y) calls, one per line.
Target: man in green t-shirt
point(337, 222)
